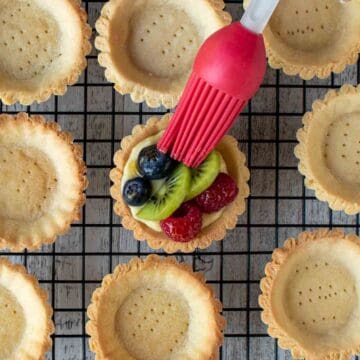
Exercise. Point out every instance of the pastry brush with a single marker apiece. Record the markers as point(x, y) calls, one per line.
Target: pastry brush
point(227, 72)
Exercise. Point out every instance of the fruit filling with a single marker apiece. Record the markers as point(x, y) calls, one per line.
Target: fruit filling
point(222, 192)
point(184, 224)
point(171, 198)
point(153, 164)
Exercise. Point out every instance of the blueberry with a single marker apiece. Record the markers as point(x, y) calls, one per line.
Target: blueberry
point(153, 164)
point(137, 191)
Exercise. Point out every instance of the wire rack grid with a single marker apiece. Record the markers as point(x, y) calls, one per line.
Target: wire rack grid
point(279, 205)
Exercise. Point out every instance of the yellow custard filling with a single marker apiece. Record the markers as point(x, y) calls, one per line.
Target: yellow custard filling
point(131, 171)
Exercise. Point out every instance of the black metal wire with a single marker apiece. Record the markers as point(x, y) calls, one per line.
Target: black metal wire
point(277, 159)
point(248, 270)
point(248, 226)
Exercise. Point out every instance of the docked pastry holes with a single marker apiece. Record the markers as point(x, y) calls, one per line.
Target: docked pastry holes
point(313, 37)
point(308, 25)
point(169, 39)
point(148, 46)
point(154, 308)
point(25, 315)
point(33, 178)
point(149, 314)
point(12, 323)
point(43, 48)
point(320, 296)
point(329, 149)
point(42, 181)
point(342, 149)
point(29, 40)
point(310, 295)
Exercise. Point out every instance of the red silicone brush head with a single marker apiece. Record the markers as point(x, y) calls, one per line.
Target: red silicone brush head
point(228, 70)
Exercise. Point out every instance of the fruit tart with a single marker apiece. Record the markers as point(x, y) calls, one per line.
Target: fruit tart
point(170, 205)
point(155, 308)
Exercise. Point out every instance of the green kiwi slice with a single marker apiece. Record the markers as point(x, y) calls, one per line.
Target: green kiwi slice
point(169, 197)
point(203, 176)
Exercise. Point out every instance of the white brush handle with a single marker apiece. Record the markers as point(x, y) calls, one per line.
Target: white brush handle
point(258, 14)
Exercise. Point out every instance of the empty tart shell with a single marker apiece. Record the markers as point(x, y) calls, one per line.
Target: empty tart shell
point(310, 295)
point(25, 315)
point(329, 149)
point(148, 46)
point(155, 308)
point(42, 181)
point(43, 48)
point(235, 162)
point(313, 37)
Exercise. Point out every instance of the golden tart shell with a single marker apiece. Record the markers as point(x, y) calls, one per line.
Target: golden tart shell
point(310, 295)
point(43, 48)
point(313, 37)
point(25, 319)
point(148, 47)
point(155, 308)
point(329, 149)
point(43, 193)
point(235, 161)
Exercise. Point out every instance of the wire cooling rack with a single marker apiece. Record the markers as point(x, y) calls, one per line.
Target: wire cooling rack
point(279, 206)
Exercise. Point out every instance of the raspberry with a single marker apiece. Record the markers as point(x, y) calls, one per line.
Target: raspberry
point(222, 192)
point(184, 224)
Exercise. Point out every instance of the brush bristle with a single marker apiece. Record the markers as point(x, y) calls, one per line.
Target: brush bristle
point(202, 118)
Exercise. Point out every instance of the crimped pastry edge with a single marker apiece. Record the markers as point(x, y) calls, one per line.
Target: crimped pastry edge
point(277, 61)
point(156, 240)
point(10, 97)
point(139, 93)
point(66, 138)
point(335, 202)
point(137, 265)
point(46, 343)
point(272, 268)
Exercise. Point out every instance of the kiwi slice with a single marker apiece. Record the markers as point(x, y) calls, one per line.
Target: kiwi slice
point(203, 176)
point(169, 197)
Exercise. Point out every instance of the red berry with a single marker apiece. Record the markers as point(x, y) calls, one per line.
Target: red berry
point(222, 192)
point(184, 224)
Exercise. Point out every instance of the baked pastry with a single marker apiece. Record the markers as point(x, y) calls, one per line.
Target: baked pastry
point(154, 308)
point(43, 48)
point(25, 315)
point(148, 46)
point(313, 37)
point(310, 295)
point(329, 149)
point(177, 211)
point(42, 181)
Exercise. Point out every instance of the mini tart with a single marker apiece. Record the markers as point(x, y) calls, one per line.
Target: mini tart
point(235, 161)
point(148, 46)
point(313, 37)
point(42, 182)
point(157, 309)
point(329, 149)
point(25, 315)
point(43, 48)
point(311, 295)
